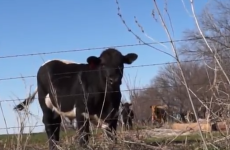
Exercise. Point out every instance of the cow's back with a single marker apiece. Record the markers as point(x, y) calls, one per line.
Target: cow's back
point(65, 83)
point(57, 71)
point(63, 76)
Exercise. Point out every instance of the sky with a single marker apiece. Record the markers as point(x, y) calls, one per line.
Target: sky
point(31, 27)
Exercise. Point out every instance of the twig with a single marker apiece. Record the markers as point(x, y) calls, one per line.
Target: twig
point(181, 71)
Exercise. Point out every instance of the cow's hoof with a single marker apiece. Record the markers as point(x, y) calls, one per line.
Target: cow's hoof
point(115, 140)
point(83, 142)
point(53, 147)
point(112, 137)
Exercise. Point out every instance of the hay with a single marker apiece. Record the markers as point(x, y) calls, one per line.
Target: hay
point(221, 126)
point(205, 127)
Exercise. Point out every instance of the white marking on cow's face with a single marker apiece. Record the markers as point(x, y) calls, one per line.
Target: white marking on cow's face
point(69, 114)
point(61, 60)
point(96, 121)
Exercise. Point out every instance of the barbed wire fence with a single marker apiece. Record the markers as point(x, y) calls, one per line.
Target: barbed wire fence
point(91, 49)
point(127, 90)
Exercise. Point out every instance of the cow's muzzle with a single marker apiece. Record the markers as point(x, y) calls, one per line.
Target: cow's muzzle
point(114, 81)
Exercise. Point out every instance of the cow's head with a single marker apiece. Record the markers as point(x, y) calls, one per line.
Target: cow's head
point(126, 106)
point(111, 63)
point(157, 112)
point(126, 109)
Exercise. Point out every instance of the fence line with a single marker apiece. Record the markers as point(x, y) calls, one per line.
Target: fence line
point(105, 47)
point(42, 125)
point(126, 90)
point(15, 127)
point(97, 48)
point(33, 126)
point(32, 76)
point(132, 66)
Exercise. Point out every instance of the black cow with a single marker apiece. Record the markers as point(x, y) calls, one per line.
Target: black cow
point(127, 115)
point(82, 91)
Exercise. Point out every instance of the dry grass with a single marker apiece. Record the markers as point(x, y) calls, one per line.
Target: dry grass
point(139, 138)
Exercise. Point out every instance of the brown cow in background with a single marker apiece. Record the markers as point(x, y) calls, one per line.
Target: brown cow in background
point(159, 113)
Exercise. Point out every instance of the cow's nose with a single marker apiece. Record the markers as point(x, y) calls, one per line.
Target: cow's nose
point(113, 80)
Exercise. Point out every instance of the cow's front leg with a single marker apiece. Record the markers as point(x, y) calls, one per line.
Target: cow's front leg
point(111, 130)
point(83, 127)
point(130, 124)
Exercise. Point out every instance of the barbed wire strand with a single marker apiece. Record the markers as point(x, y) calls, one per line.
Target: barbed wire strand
point(105, 47)
point(35, 126)
point(133, 66)
point(126, 90)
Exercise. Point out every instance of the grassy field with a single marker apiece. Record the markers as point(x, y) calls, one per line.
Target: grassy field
point(127, 140)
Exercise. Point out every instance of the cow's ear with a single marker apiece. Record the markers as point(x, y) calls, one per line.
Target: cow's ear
point(93, 61)
point(130, 58)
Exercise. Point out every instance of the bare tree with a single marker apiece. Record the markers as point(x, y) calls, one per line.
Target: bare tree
point(214, 46)
point(204, 78)
point(215, 26)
